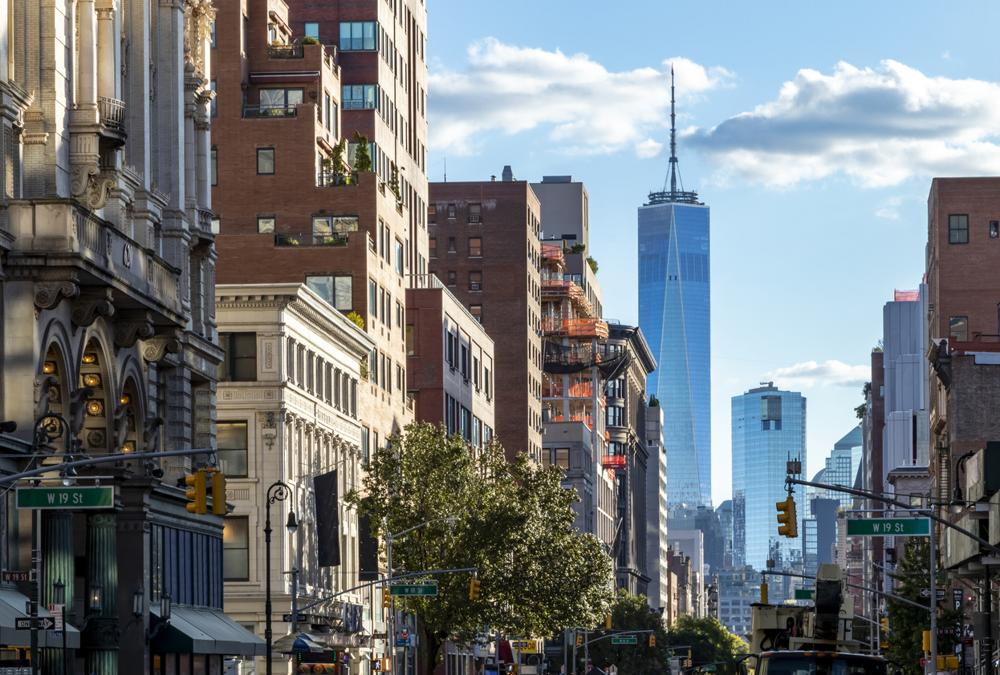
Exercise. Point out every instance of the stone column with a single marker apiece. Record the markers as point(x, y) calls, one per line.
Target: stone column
point(102, 635)
point(106, 50)
point(86, 57)
point(57, 565)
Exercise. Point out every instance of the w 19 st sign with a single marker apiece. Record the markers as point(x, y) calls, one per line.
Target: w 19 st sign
point(889, 527)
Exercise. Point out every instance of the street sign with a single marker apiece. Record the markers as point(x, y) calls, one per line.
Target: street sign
point(41, 622)
point(625, 640)
point(426, 588)
point(57, 613)
point(88, 497)
point(889, 527)
point(287, 618)
point(926, 593)
point(804, 593)
point(15, 576)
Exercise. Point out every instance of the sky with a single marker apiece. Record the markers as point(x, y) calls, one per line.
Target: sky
point(812, 130)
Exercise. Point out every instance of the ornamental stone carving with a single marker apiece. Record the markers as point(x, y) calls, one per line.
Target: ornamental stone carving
point(154, 349)
point(132, 327)
point(89, 306)
point(49, 293)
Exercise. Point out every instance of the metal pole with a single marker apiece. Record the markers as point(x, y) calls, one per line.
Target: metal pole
point(574, 652)
point(934, 602)
point(295, 600)
point(267, 585)
point(586, 651)
point(36, 564)
point(988, 607)
point(392, 600)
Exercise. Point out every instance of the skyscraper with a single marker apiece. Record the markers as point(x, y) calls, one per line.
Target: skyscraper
point(674, 303)
point(769, 428)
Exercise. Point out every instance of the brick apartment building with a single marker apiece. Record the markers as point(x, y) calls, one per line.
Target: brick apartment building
point(484, 245)
point(450, 362)
point(295, 80)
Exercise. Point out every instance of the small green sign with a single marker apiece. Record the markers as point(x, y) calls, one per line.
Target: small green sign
point(625, 640)
point(93, 497)
point(804, 594)
point(889, 527)
point(430, 588)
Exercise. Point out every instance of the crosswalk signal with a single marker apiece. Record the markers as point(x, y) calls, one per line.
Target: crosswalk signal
point(198, 502)
point(474, 585)
point(607, 622)
point(652, 640)
point(386, 598)
point(219, 493)
point(788, 524)
point(579, 640)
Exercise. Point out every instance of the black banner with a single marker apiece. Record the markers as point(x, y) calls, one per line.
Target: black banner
point(367, 550)
point(327, 519)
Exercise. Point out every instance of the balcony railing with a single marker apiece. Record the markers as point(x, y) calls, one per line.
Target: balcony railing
point(614, 461)
point(586, 328)
point(287, 239)
point(553, 253)
point(285, 51)
point(256, 111)
point(331, 179)
point(112, 113)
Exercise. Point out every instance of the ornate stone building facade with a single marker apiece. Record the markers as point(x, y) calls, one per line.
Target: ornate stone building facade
point(108, 336)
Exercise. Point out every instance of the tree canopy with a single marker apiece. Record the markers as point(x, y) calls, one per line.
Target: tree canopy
point(513, 521)
point(710, 643)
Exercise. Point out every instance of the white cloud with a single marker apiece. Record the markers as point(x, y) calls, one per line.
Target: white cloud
point(878, 126)
point(813, 373)
point(889, 209)
point(584, 107)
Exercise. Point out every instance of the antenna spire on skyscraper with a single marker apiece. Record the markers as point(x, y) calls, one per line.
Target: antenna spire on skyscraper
point(673, 194)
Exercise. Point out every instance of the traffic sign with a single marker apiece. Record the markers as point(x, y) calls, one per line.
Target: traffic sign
point(86, 497)
point(926, 593)
point(15, 576)
point(287, 618)
point(425, 588)
point(889, 527)
point(57, 613)
point(41, 622)
point(625, 640)
point(804, 593)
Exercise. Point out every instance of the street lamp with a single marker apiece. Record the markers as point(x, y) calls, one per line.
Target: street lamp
point(59, 596)
point(276, 492)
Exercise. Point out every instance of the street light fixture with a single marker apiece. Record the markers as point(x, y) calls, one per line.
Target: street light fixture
point(96, 597)
point(276, 492)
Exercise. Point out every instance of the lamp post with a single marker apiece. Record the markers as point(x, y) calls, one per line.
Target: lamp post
point(276, 492)
point(59, 594)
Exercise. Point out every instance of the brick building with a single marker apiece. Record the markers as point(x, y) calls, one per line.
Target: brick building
point(484, 245)
point(293, 197)
point(450, 362)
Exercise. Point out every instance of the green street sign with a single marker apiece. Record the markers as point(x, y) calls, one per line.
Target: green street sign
point(625, 640)
point(429, 588)
point(804, 594)
point(95, 497)
point(889, 527)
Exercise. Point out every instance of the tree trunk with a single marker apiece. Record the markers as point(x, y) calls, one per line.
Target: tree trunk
point(431, 649)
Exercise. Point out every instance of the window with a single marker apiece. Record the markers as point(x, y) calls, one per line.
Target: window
point(995, 229)
point(770, 413)
point(958, 328)
point(477, 312)
point(311, 29)
point(475, 281)
point(336, 290)
point(327, 112)
point(214, 166)
point(359, 96)
point(265, 161)
point(231, 438)
point(452, 278)
point(236, 549)
point(434, 247)
point(475, 213)
point(372, 299)
point(239, 361)
point(357, 36)
point(958, 228)
point(616, 416)
point(560, 457)
point(399, 314)
point(475, 247)
point(450, 349)
point(280, 99)
point(411, 344)
point(213, 32)
point(399, 378)
point(398, 256)
point(265, 224)
point(213, 106)
point(464, 361)
point(451, 211)
point(451, 245)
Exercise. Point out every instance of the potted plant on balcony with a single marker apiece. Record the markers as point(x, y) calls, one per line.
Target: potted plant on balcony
point(394, 179)
point(358, 320)
point(310, 40)
point(362, 158)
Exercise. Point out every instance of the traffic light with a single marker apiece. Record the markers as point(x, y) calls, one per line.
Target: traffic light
point(579, 640)
point(474, 584)
point(763, 592)
point(788, 524)
point(386, 598)
point(607, 622)
point(219, 493)
point(196, 492)
point(652, 640)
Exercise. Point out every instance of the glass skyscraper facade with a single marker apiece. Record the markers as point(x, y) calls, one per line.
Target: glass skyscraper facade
point(769, 428)
point(674, 314)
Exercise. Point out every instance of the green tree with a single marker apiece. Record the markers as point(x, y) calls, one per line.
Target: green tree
point(362, 156)
point(710, 642)
point(906, 622)
point(632, 612)
point(512, 520)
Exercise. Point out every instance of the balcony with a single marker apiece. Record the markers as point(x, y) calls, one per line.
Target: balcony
point(74, 245)
point(291, 239)
point(285, 51)
point(269, 111)
point(618, 462)
point(553, 253)
point(582, 328)
point(112, 112)
point(331, 179)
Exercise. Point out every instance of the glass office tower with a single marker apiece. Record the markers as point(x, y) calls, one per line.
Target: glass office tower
point(674, 307)
point(769, 428)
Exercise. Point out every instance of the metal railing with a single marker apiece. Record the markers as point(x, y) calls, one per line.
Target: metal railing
point(285, 51)
point(287, 239)
point(255, 111)
point(334, 179)
point(112, 112)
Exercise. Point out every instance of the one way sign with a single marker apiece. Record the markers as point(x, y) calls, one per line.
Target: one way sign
point(41, 622)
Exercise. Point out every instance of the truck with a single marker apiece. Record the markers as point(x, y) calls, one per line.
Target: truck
point(817, 640)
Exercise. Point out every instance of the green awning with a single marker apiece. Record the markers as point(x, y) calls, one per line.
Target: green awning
point(14, 605)
point(203, 630)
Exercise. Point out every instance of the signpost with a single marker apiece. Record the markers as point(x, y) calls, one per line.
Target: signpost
point(889, 527)
point(421, 589)
point(625, 640)
point(34, 622)
point(15, 576)
point(82, 497)
point(804, 593)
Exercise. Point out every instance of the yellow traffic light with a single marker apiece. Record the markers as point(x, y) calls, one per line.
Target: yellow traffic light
point(652, 640)
point(386, 598)
point(196, 492)
point(474, 585)
point(926, 640)
point(607, 622)
point(763, 592)
point(579, 640)
point(788, 524)
point(219, 493)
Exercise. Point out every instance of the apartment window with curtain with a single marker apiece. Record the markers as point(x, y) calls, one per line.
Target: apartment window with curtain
point(475, 247)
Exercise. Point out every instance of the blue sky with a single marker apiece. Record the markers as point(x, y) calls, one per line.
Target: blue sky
point(811, 130)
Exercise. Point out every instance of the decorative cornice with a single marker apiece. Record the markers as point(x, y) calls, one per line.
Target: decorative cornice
point(133, 326)
point(49, 293)
point(91, 305)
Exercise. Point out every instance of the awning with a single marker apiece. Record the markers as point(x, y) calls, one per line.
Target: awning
point(203, 630)
point(14, 605)
point(306, 642)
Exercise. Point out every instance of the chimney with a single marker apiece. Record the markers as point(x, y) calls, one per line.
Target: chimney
point(508, 174)
point(493, 178)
